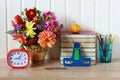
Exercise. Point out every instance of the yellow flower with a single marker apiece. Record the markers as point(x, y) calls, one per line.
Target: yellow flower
point(29, 31)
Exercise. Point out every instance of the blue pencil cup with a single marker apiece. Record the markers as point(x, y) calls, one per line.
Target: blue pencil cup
point(105, 54)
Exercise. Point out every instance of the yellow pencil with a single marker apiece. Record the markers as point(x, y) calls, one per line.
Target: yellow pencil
point(112, 39)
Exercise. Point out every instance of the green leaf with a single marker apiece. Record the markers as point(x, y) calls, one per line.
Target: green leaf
point(22, 47)
point(25, 9)
point(22, 13)
point(39, 12)
point(24, 19)
point(9, 32)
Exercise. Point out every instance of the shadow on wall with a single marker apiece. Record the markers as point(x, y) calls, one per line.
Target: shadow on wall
point(55, 51)
point(116, 47)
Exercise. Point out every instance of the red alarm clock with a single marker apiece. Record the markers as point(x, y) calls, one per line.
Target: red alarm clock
point(18, 58)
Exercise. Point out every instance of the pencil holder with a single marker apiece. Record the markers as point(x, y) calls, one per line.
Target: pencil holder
point(105, 54)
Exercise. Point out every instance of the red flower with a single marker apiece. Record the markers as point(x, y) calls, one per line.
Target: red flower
point(36, 22)
point(31, 13)
point(19, 21)
point(32, 41)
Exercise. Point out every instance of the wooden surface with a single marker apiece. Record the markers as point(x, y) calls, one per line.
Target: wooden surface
point(104, 71)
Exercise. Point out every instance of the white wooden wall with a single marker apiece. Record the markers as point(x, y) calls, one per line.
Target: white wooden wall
point(102, 16)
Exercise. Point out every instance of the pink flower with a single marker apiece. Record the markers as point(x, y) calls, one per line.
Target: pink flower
point(46, 39)
point(49, 16)
point(52, 25)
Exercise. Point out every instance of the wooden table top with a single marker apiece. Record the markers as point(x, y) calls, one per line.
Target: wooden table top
point(100, 71)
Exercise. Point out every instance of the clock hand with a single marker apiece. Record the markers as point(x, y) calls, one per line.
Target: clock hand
point(20, 56)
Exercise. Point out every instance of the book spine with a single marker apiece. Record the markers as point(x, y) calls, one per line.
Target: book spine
point(83, 49)
point(78, 40)
point(78, 36)
point(70, 45)
point(69, 54)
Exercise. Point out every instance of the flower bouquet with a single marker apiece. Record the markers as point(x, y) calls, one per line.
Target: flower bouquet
point(35, 31)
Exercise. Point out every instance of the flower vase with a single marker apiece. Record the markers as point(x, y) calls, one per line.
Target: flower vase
point(37, 54)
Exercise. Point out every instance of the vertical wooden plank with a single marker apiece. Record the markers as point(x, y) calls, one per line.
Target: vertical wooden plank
point(102, 16)
point(115, 16)
point(43, 5)
point(87, 15)
point(115, 26)
point(73, 10)
point(3, 41)
point(12, 10)
point(59, 8)
point(28, 4)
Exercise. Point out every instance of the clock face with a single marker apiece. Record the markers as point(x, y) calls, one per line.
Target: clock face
point(18, 58)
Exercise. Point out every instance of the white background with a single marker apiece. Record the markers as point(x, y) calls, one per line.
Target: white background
point(101, 16)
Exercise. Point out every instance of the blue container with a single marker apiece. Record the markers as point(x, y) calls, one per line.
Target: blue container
point(105, 54)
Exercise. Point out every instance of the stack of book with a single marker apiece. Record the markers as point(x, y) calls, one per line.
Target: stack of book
point(88, 43)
